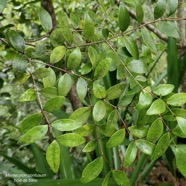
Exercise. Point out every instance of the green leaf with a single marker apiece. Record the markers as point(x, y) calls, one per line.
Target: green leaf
point(93, 56)
point(49, 92)
point(168, 28)
point(153, 134)
point(115, 91)
point(130, 154)
point(145, 146)
point(157, 107)
point(92, 170)
point(88, 28)
point(41, 73)
point(173, 5)
point(16, 40)
point(71, 139)
point(30, 122)
point(137, 66)
point(81, 88)
point(2, 5)
point(28, 95)
point(137, 131)
point(74, 59)
point(67, 34)
point(85, 130)
point(64, 84)
point(159, 9)
point(112, 118)
point(148, 39)
point(107, 130)
point(102, 68)
point(181, 160)
point(19, 63)
point(139, 12)
point(161, 146)
point(34, 134)
point(99, 110)
point(46, 20)
point(178, 132)
point(81, 115)
point(182, 124)
point(90, 146)
point(124, 17)
point(106, 179)
point(53, 156)
point(121, 178)
point(163, 90)
point(145, 98)
point(56, 37)
point(131, 46)
point(54, 104)
point(178, 99)
point(99, 91)
point(50, 80)
point(116, 139)
point(65, 124)
point(57, 54)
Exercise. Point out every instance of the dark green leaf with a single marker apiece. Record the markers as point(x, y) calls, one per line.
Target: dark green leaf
point(41, 73)
point(139, 12)
point(159, 9)
point(106, 179)
point(20, 63)
point(49, 92)
point(173, 4)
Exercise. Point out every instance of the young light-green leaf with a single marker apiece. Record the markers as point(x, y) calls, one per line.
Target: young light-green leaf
point(137, 66)
point(74, 59)
point(159, 9)
point(157, 107)
point(57, 54)
point(99, 110)
point(81, 88)
point(53, 156)
point(161, 146)
point(139, 12)
point(121, 178)
point(90, 146)
point(41, 73)
point(46, 20)
point(71, 139)
point(28, 95)
point(99, 91)
point(2, 5)
point(137, 131)
point(50, 80)
point(177, 99)
point(34, 134)
point(124, 17)
point(92, 170)
point(93, 56)
point(163, 90)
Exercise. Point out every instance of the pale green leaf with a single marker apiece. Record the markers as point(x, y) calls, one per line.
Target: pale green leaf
point(173, 5)
point(137, 66)
point(121, 178)
point(81, 88)
point(138, 131)
point(57, 54)
point(177, 99)
point(41, 72)
point(50, 80)
point(19, 63)
point(99, 110)
point(182, 124)
point(93, 56)
point(90, 146)
point(99, 91)
point(2, 5)
point(28, 95)
point(67, 34)
point(85, 130)
point(163, 90)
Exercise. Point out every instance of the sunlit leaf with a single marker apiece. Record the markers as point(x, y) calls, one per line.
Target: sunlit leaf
point(137, 66)
point(2, 5)
point(99, 91)
point(163, 90)
point(177, 99)
point(57, 54)
point(90, 146)
point(28, 95)
point(99, 111)
point(139, 12)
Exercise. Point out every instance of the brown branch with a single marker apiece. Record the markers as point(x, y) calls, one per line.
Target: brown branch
point(74, 99)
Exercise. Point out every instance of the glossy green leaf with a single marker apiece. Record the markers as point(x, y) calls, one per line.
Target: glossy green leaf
point(145, 98)
point(159, 9)
point(182, 124)
point(92, 170)
point(74, 59)
point(65, 124)
point(16, 40)
point(88, 28)
point(85, 68)
point(99, 110)
point(81, 88)
point(131, 46)
point(99, 91)
point(163, 90)
point(113, 118)
point(20, 63)
point(20, 79)
point(130, 154)
point(34, 134)
point(121, 178)
point(148, 39)
point(50, 80)
point(181, 160)
point(57, 54)
point(81, 115)
point(137, 131)
point(90, 146)
point(178, 99)
point(137, 66)
point(49, 92)
point(139, 12)
point(145, 146)
point(28, 95)
point(53, 156)
point(123, 18)
point(30, 122)
point(153, 134)
point(46, 20)
point(93, 56)
point(161, 146)
point(116, 139)
point(71, 139)
point(54, 104)
point(85, 130)
point(115, 91)
point(157, 107)
point(106, 179)
point(2, 5)
point(107, 130)
point(102, 68)
point(178, 132)
point(173, 5)
point(64, 84)
point(41, 73)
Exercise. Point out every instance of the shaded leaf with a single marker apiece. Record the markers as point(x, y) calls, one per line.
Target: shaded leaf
point(139, 12)
point(106, 179)
point(49, 92)
point(85, 130)
point(93, 56)
point(159, 9)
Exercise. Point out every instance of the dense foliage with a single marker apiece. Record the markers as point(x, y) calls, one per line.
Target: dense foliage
point(87, 91)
